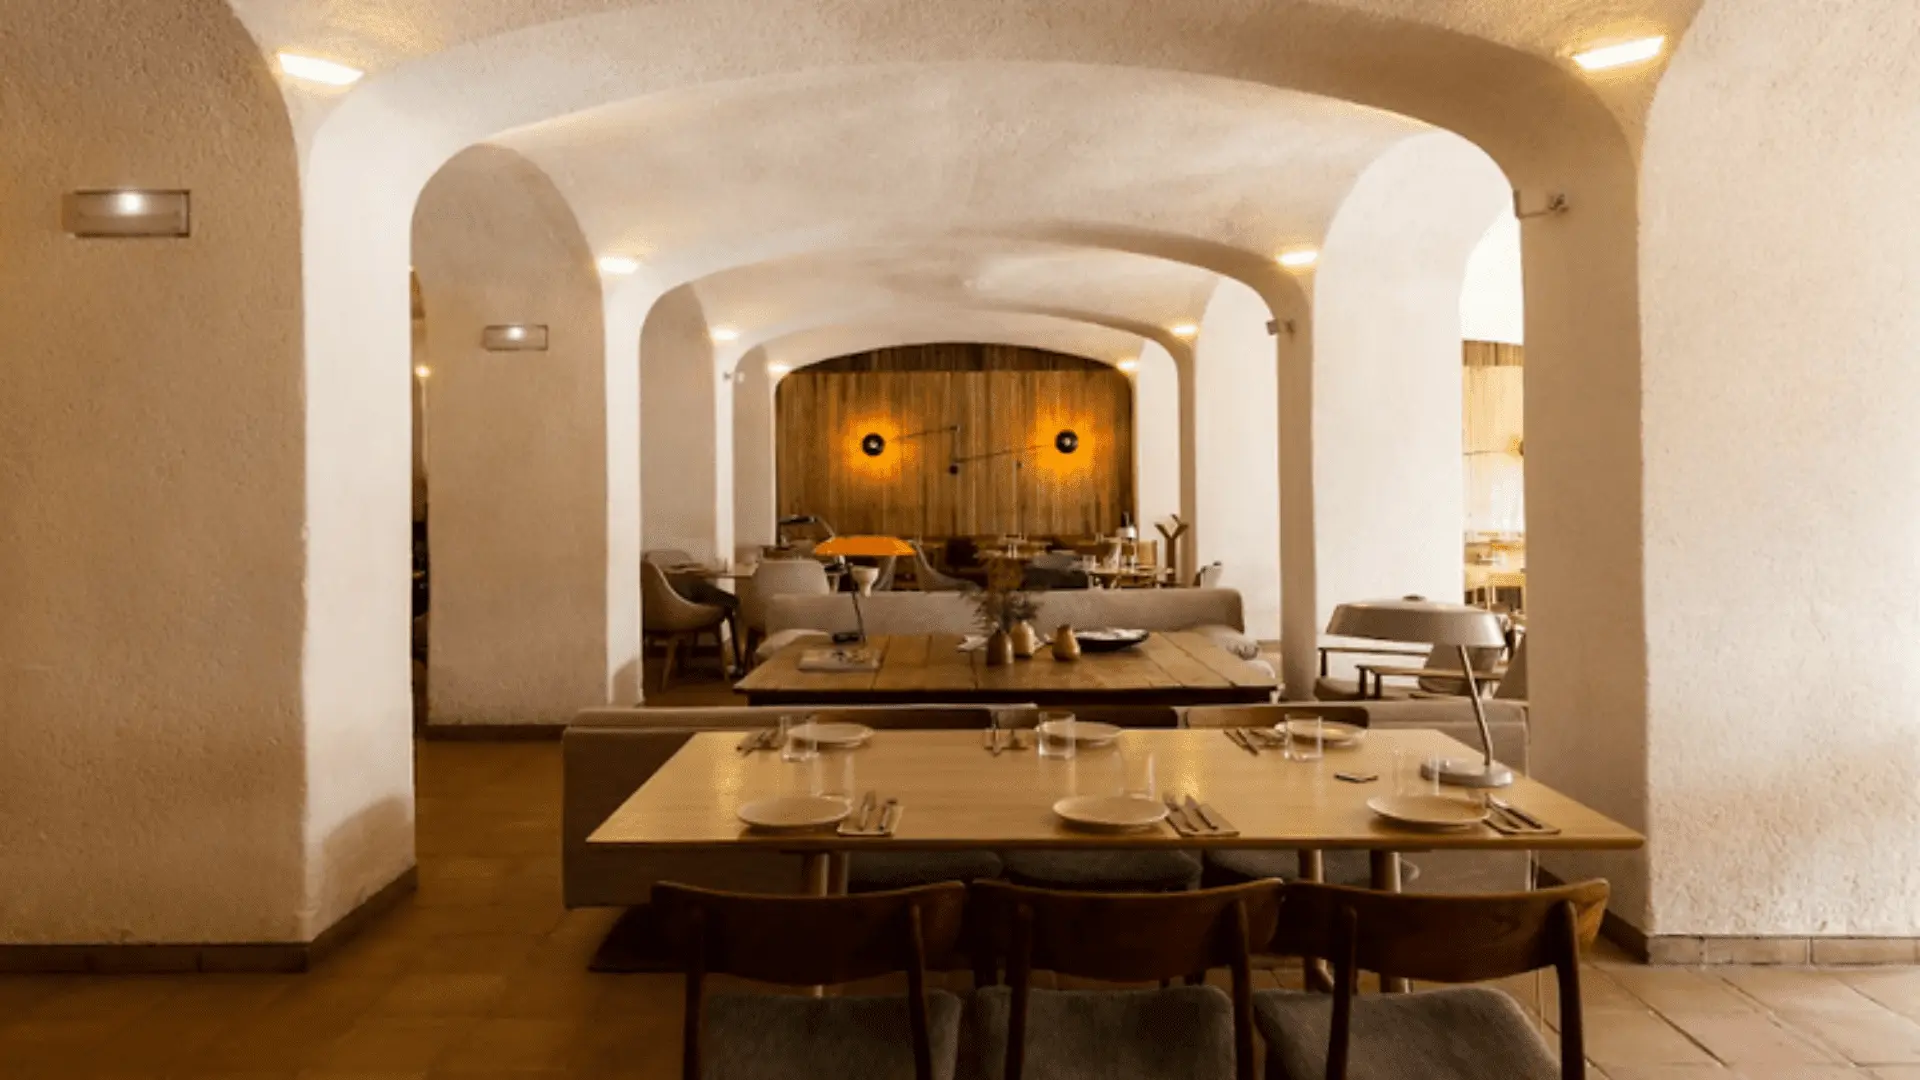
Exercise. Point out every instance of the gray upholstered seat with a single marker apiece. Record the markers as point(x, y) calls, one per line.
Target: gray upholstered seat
point(1354, 868)
point(1106, 871)
point(1460, 1033)
point(1183, 1031)
point(871, 871)
point(786, 1037)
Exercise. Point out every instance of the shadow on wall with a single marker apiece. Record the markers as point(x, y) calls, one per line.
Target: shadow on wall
point(361, 849)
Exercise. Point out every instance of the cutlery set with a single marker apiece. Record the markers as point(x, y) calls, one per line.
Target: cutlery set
point(1191, 817)
point(999, 740)
point(876, 817)
point(1253, 740)
point(1509, 820)
point(758, 740)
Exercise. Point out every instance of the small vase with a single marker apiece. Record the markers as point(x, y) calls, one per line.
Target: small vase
point(1066, 647)
point(999, 649)
point(1026, 641)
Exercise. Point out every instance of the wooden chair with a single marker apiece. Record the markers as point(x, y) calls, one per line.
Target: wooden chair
point(1193, 1032)
point(1448, 1034)
point(808, 941)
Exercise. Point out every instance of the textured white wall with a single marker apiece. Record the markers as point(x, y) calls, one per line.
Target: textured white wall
point(1388, 503)
point(680, 398)
point(1237, 452)
point(753, 440)
point(1156, 439)
point(518, 451)
point(1781, 287)
point(1493, 303)
point(151, 489)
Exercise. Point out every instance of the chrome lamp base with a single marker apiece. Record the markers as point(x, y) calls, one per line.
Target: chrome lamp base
point(1472, 774)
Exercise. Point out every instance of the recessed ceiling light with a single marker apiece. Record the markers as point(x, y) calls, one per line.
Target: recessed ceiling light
point(724, 334)
point(422, 371)
point(1298, 258)
point(1621, 55)
point(314, 69)
point(1184, 330)
point(1129, 364)
point(618, 265)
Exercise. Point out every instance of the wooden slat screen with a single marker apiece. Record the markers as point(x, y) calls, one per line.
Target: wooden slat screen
point(1002, 398)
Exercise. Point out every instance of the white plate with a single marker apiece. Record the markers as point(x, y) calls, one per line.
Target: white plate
point(1118, 813)
point(1085, 732)
point(833, 736)
point(787, 813)
point(1332, 733)
point(1438, 812)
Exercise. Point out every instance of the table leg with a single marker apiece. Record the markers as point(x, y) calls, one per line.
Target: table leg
point(1386, 878)
point(816, 873)
point(838, 864)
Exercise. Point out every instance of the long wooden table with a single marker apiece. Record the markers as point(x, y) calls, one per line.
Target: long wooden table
point(1178, 668)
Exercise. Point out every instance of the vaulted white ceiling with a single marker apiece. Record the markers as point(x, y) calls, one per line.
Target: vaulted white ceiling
point(807, 163)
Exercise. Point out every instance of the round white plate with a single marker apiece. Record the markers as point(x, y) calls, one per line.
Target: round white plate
point(833, 736)
point(1085, 732)
point(1117, 813)
point(787, 813)
point(1332, 733)
point(1439, 812)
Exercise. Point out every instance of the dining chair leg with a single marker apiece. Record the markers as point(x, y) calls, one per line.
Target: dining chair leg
point(1386, 878)
point(666, 667)
point(1317, 974)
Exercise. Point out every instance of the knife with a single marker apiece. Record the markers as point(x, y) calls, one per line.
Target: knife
point(1502, 804)
point(1175, 810)
point(889, 816)
point(1194, 806)
point(1239, 740)
point(866, 811)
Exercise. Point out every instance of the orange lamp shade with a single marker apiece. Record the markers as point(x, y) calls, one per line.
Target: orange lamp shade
point(871, 547)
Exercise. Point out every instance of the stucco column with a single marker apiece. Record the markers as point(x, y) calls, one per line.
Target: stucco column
point(517, 461)
point(1236, 452)
point(753, 459)
point(681, 401)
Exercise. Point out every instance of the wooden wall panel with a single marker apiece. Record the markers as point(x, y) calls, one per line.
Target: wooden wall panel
point(999, 400)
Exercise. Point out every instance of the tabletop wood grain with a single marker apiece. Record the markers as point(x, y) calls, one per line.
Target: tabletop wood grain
point(1180, 667)
point(955, 794)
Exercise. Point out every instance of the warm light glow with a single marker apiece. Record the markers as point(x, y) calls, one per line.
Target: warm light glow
point(1184, 330)
point(1298, 259)
point(130, 203)
point(724, 334)
point(777, 370)
point(1627, 52)
point(313, 69)
point(1128, 365)
point(618, 265)
point(516, 333)
point(422, 371)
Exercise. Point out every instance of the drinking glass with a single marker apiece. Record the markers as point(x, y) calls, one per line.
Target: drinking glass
point(1136, 777)
point(831, 775)
point(1306, 736)
point(1407, 774)
point(792, 746)
point(1055, 735)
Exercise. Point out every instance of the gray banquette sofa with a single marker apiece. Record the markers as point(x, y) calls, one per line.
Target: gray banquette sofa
point(610, 752)
point(1214, 612)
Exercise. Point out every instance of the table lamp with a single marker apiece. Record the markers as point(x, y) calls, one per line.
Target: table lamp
point(865, 547)
point(1417, 620)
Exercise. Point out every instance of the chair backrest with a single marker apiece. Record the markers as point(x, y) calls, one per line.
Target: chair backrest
point(666, 557)
point(1443, 939)
point(1121, 937)
point(1208, 576)
point(809, 940)
point(663, 608)
point(779, 577)
point(1514, 686)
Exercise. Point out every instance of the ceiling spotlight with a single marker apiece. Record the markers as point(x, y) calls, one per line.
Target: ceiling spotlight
point(422, 371)
point(1128, 365)
point(1184, 330)
point(618, 265)
point(1621, 55)
point(724, 334)
point(1298, 258)
point(314, 69)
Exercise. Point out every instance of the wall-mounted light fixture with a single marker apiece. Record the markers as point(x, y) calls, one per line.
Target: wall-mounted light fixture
point(617, 265)
point(514, 337)
point(1129, 365)
point(127, 213)
point(1556, 204)
point(1066, 442)
point(873, 444)
point(1184, 330)
point(1608, 57)
point(1298, 258)
point(422, 371)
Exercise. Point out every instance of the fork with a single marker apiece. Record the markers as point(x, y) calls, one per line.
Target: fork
point(1175, 810)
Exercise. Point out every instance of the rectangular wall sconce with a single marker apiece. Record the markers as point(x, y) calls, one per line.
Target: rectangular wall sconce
point(514, 337)
point(127, 213)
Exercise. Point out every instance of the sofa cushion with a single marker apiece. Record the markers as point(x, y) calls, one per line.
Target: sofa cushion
point(954, 613)
point(1232, 640)
point(787, 1037)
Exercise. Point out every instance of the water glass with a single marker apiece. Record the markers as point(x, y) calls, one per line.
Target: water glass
point(1306, 738)
point(1054, 738)
point(1409, 777)
point(793, 747)
point(831, 775)
point(1136, 777)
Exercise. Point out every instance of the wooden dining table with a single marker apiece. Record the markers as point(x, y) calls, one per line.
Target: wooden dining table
point(956, 794)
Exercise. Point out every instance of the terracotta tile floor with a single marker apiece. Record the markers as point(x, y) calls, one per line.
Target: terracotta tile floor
point(483, 974)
